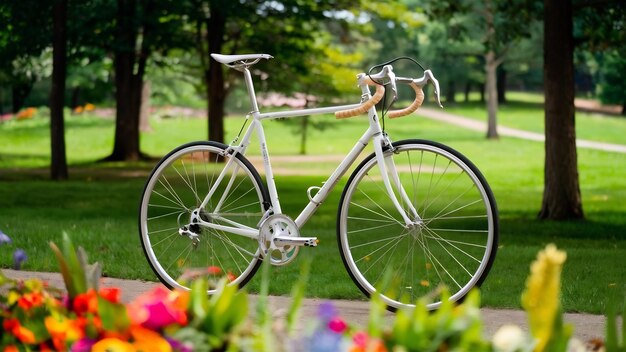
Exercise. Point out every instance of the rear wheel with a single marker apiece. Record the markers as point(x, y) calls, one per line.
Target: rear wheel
point(452, 243)
point(176, 188)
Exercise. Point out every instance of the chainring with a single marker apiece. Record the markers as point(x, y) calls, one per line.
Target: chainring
point(278, 225)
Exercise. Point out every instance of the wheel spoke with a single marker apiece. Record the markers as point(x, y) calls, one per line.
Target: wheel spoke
point(450, 243)
point(178, 184)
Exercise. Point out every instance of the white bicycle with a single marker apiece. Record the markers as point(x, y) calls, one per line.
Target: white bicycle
point(414, 214)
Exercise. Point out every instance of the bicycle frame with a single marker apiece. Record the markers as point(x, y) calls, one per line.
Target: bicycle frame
point(374, 133)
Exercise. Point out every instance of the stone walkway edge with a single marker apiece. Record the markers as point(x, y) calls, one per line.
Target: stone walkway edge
point(586, 326)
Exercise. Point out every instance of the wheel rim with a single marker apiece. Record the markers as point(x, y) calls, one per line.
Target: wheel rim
point(454, 245)
point(176, 188)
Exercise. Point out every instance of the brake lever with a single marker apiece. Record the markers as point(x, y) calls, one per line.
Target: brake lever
point(388, 77)
point(428, 75)
point(392, 82)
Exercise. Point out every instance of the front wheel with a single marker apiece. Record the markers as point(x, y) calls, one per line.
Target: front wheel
point(452, 241)
point(177, 187)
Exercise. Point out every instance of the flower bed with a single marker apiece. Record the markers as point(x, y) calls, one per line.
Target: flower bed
point(83, 317)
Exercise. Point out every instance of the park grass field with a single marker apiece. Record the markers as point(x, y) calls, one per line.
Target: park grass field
point(98, 205)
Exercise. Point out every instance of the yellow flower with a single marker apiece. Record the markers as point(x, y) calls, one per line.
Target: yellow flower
point(62, 329)
point(112, 344)
point(541, 299)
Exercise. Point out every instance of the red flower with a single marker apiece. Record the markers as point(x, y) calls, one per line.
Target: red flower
point(86, 303)
point(30, 300)
point(111, 294)
point(213, 270)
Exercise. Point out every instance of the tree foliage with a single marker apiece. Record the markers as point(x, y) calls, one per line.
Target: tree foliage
point(613, 87)
point(486, 29)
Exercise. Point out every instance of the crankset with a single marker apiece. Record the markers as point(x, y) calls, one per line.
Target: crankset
point(280, 241)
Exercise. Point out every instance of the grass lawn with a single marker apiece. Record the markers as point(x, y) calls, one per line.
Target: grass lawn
point(525, 111)
point(98, 206)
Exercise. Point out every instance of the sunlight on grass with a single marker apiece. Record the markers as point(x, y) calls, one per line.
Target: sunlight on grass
point(98, 206)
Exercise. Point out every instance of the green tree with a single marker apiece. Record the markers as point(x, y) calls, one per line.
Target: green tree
point(594, 26)
point(487, 28)
point(283, 28)
point(612, 84)
point(25, 28)
point(141, 29)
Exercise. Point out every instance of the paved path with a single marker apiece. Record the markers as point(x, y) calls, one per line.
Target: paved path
point(586, 326)
point(480, 126)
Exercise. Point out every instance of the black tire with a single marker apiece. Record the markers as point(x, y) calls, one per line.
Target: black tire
point(176, 187)
point(454, 245)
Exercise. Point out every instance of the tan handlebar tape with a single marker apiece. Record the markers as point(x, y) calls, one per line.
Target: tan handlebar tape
point(419, 99)
point(361, 109)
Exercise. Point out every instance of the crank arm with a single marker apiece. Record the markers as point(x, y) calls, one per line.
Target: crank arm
point(281, 241)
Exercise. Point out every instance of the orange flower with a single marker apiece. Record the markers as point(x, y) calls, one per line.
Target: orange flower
point(89, 107)
point(78, 109)
point(112, 344)
point(10, 348)
point(30, 300)
point(27, 113)
point(364, 343)
point(23, 334)
point(147, 340)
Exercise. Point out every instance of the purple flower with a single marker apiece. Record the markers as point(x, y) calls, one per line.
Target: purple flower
point(324, 341)
point(179, 346)
point(326, 311)
point(4, 238)
point(19, 256)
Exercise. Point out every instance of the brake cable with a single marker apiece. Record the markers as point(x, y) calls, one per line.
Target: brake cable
point(385, 108)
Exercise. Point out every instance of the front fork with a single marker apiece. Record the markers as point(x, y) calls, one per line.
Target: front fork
point(389, 174)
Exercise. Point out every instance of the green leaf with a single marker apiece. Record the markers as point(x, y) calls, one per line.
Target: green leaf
point(65, 271)
point(114, 315)
point(70, 266)
point(297, 294)
point(198, 299)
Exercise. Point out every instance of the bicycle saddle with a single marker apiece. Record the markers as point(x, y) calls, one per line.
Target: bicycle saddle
point(229, 59)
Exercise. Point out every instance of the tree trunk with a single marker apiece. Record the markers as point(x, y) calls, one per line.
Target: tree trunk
point(303, 134)
point(501, 84)
point(58, 164)
point(214, 76)
point(451, 92)
point(144, 109)
point(127, 87)
point(468, 89)
point(75, 99)
point(561, 195)
point(482, 92)
point(491, 67)
point(20, 89)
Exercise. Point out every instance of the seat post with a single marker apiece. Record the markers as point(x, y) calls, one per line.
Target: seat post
point(251, 94)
